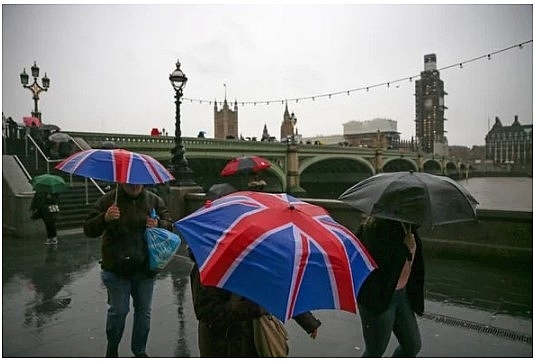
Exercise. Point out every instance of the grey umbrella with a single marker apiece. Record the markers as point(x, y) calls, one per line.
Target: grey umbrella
point(412, 197)
point(59, 137)
point(219, 190)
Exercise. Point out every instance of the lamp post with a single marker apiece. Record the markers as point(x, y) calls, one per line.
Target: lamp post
point(35, 88)
point(178, 166)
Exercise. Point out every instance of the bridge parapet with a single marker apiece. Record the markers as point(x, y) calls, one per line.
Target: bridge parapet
point(316, 163)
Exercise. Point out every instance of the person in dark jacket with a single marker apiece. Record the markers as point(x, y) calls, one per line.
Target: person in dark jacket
point(394, 292)
point(225, 326)
point(46, 206)
point(121, 219)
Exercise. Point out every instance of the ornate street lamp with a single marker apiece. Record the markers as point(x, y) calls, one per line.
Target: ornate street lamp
point(35, 88)
point(178, 166)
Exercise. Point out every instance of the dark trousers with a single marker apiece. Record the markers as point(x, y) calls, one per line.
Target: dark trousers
point(398, 318)
point(50, 226)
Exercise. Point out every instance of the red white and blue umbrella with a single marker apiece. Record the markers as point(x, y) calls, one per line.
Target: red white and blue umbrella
point(287, 255)
point(116, 165)
point(245, 164)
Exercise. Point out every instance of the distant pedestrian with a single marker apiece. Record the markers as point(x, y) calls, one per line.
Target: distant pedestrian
point(121, 217)
point(45, 206)
point(255, 183)
point(393, 292)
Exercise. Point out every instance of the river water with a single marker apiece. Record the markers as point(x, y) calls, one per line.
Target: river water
point(503, 193)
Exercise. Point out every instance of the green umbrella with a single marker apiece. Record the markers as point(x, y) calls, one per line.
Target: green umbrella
point(49, 183)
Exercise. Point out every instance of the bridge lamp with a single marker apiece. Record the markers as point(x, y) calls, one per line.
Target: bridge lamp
point(178, 166)
point(35, 88)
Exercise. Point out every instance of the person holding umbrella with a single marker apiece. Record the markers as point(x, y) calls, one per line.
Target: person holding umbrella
point(121, 217)
point(394, 292)
point(225, 318)
point(45, 205)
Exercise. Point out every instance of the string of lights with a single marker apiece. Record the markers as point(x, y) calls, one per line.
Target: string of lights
point(364, 88)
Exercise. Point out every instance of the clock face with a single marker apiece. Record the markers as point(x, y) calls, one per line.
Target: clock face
point(428, 103)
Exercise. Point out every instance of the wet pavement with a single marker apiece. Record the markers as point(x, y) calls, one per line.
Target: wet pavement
point(54, 305)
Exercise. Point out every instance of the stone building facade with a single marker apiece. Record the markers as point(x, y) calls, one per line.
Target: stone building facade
point(226, 121)
point(510, 144)
point(375, 133)
point(288, 126)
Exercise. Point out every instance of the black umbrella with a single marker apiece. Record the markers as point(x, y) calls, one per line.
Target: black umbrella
point(412, 197)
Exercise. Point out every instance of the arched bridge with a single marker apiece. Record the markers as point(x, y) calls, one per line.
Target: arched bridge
point(323, 171)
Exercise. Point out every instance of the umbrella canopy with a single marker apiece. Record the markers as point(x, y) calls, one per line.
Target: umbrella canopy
point(48, 183)
point(116, 165)
point(285, 254)
point(59, 137)
point(31, 121)
point(245, 164)
point(412, 197)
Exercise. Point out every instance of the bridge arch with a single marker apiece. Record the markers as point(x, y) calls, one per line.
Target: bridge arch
point(332, 174)
point(451, 170)
point(306, 163)
point(399, 165)
point(207, 170)
point(432, 166)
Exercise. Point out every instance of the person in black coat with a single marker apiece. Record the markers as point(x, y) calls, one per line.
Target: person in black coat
point(45, 206)
point(394, 292)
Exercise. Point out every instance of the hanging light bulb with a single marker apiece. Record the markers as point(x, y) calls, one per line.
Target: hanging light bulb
point(461, 65)
point(488, 56)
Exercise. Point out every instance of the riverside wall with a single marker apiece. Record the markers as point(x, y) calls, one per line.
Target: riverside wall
point(497, 237)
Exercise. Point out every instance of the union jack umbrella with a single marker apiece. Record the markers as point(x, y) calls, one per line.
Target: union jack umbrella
point(245, 164)
point(116, 165)
point(287, 255)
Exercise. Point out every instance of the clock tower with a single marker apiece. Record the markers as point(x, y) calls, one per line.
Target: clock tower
point(430, 132)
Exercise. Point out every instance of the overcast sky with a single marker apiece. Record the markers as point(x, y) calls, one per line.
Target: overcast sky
point(109, 65)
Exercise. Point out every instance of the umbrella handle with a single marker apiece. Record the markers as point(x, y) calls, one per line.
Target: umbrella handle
point(407, 231)
point(116, 192)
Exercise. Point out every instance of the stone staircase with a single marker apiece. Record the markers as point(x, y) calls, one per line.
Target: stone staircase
point(75, 205)
point(76, 202)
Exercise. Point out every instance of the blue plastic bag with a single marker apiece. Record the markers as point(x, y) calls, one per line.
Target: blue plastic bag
point(162, 245)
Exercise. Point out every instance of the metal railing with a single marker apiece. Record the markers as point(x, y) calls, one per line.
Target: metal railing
point(48, 161)
point(22, 167)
